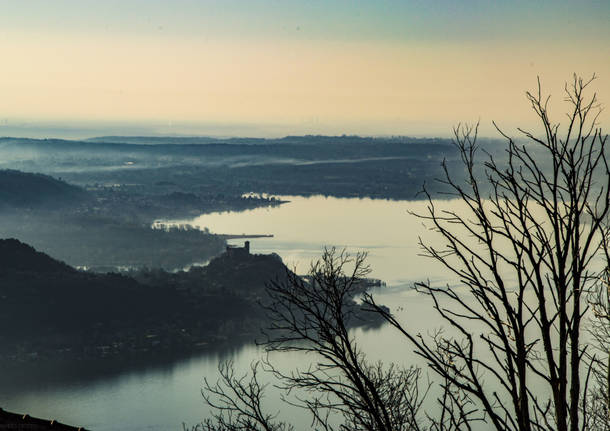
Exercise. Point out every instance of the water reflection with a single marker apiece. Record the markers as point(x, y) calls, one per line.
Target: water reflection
point(24, 377)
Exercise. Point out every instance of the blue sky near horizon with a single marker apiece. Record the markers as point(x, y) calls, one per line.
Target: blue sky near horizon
point(355, 20)
point(368, 67)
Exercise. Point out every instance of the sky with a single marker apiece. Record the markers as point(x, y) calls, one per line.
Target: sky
point(282, 67)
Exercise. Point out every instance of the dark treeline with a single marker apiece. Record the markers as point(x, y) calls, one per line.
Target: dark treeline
point(48, 309)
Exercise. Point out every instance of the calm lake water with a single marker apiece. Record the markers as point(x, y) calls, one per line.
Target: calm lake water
point(302, 227)
point(162, 395)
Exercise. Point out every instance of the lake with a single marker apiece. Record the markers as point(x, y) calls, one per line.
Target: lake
point(106, 395)
point(302, 227)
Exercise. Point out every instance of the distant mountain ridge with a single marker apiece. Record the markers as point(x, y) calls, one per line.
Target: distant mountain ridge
point(299, 140)
point(289, 145)
point(341, 166)
point(28, 190)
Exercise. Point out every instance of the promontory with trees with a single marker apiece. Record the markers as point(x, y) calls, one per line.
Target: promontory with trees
point(49, 309)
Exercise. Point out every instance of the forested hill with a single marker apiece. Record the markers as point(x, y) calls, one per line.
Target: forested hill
point(16, 256)
point(40, 296)
point(48, 308)
point(27, 190)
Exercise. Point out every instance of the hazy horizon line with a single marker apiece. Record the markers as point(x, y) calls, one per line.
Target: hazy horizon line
point(82, 130)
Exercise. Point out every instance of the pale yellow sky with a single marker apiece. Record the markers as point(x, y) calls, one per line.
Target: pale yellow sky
point(306, 85)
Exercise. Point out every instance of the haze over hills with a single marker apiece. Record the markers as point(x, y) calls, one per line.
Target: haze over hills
point(286, 140)
point(126, 183)
point(25, 190)
point(105, 228)
point(391, 168)
point(293, 148)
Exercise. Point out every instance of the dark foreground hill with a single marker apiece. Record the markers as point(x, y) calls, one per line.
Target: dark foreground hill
point(27, 190)
point(44, 299)
point(17, 257)
point(48, 308)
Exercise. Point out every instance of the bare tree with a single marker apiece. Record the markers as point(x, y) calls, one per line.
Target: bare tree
point(237, 402)
point(313, 315)
point(514, 352)
point(598, 401)
point(525, 251)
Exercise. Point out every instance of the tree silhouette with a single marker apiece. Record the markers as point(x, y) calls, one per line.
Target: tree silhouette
point(313, 315)
point(527, 251)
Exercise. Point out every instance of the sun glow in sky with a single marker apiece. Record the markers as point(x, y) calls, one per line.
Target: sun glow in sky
point(269, 68)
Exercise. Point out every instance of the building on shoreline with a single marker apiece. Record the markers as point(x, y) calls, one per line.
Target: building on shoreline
point(236, 251)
